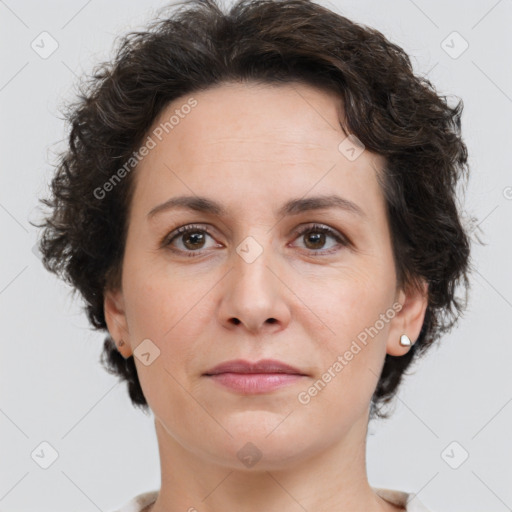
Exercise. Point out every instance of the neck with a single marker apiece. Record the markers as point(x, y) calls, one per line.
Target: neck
point(333, 478)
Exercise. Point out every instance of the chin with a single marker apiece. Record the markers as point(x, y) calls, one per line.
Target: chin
point(258, 449)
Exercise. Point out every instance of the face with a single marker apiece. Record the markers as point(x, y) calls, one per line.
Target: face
point(270, 272)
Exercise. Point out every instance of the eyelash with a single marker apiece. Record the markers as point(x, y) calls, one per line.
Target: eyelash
point(193, 228)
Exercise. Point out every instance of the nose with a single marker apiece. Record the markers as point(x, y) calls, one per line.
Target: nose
point(255, 296)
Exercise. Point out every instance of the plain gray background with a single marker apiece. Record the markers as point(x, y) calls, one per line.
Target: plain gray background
point(53, 389)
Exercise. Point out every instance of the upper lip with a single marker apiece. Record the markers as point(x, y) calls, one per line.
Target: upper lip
point(262, 366)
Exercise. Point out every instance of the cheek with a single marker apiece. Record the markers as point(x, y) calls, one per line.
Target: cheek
point(353, 343)
point(154, 293)
point(171, 311)
point(162, 311)
point(349, 300)
point(148, 304)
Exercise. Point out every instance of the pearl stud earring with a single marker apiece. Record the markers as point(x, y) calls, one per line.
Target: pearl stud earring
point(405, 341)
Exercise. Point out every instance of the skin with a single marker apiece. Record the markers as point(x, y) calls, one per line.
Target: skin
point(252, 148)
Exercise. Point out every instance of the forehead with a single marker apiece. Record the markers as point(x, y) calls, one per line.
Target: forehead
point(260, 141)
point(232, 116)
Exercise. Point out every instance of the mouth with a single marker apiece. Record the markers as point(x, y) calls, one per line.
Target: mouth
point(254, 378)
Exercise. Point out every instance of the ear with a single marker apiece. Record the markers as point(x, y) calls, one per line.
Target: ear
point(115, 317)
point(409, 319)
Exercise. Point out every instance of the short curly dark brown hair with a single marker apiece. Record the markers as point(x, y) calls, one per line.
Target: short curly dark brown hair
point(392, 111)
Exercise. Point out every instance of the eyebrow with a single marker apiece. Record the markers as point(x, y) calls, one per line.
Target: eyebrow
point(292, 207)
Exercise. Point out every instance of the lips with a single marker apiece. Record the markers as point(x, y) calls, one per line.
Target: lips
point(261, 377)
point(263, 366)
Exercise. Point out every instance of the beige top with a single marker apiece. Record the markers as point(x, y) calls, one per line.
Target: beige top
point(403, 499)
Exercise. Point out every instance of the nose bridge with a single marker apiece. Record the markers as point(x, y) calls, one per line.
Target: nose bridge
point(254, 294)
point(252, 261)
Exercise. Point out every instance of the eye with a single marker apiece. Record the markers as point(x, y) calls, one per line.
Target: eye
point(192, 239)
point(315, 237)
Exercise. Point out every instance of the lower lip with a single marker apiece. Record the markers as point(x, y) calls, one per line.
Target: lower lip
point(254, 383)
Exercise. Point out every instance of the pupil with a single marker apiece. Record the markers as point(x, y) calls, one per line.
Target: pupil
point(316, 238)
point(195, 237)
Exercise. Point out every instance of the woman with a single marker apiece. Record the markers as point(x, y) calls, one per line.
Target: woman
point(259, 206)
